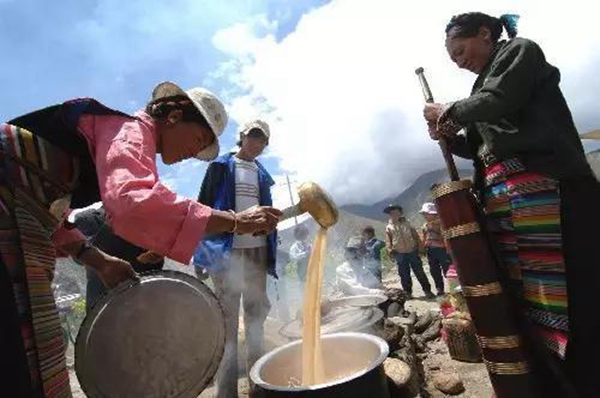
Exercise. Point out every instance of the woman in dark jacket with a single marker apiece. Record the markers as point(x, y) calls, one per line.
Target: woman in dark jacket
point(531, 174)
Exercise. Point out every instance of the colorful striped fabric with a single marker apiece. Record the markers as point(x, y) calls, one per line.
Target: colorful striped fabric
point(524, 213)
point(35, 180)
point(432, 234)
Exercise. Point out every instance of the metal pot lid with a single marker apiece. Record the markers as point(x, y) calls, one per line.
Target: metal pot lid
point(337, 320)
point(365, 300)
point(160, 337)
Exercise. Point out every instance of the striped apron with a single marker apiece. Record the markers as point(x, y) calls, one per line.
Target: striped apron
point(523, 210)
point(35, 180)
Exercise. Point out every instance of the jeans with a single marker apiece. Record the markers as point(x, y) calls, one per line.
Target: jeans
point(439, 262)
point(405, 262)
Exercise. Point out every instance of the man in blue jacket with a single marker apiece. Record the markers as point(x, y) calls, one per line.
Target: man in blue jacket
point(238, 264)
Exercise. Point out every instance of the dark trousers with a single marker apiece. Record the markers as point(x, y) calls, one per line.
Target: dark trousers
point(439, 262)
point(405, 262)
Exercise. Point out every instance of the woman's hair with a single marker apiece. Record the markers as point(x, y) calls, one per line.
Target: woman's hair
point(160, 109)
point(468, 25)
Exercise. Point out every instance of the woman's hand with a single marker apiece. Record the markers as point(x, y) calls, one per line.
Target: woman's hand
point(438, 123)
point(149, 258)
point(432, 112)
point(258, 220)
point(112, 271)
point(433, 131)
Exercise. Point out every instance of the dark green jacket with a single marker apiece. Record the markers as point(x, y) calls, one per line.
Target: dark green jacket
point(516, 109)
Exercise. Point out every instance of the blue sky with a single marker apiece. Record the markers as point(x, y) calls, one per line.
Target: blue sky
point(334, 79)
point(116, 51)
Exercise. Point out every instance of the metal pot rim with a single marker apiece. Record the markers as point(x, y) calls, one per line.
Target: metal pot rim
point(379, 342)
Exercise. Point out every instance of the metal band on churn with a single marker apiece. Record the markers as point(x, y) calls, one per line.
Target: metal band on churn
point(460, 230)
point(507, 368)
point(449, 187)
point(482, 290)
point(499, 342)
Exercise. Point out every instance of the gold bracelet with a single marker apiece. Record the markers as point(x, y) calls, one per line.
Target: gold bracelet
point(235, 221)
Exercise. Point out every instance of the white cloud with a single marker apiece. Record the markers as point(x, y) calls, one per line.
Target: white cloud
point(341, 94)
point(247, 38)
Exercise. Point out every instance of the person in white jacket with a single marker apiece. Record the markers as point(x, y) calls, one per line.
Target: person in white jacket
point(352, 277)
point(300, 252)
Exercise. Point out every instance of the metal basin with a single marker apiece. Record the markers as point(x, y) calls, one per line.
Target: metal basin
point(353, 367)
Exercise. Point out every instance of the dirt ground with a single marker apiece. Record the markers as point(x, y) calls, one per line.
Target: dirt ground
point(474, 376)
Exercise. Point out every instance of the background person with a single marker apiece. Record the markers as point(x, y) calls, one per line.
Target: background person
point(435, 248)
point(404, 244)
point(373, 247)
point(238, 264)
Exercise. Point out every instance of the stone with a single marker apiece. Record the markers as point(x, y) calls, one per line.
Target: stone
point(424, 321)
point(432, 332)
point(449, 383)
point(392, 334)
point(401, 378)
point(394, 310)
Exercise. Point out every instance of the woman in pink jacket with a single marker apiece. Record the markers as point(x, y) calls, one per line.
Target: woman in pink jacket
point(70, 156)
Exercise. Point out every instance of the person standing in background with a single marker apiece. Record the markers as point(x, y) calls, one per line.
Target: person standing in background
point(300, 253)
point(238, 264)
point(373, 248)
point(403, 244)
point(435, 248)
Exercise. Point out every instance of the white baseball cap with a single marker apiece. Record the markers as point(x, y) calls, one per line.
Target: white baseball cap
point(256, 124)
point(428, 208)
point(209, 106)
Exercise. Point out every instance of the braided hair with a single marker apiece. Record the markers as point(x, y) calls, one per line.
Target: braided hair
point(159, 109)
point(468, 25)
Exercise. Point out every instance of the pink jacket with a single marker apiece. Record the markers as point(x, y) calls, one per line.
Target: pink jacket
point(140, 208)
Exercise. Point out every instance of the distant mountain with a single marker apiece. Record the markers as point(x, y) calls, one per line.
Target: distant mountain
point(411, 199)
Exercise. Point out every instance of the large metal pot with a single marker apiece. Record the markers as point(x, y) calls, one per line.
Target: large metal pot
point(353, 363)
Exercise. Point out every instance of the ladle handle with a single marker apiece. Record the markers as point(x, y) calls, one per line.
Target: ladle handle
point(443, 142)
point(292, 211)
